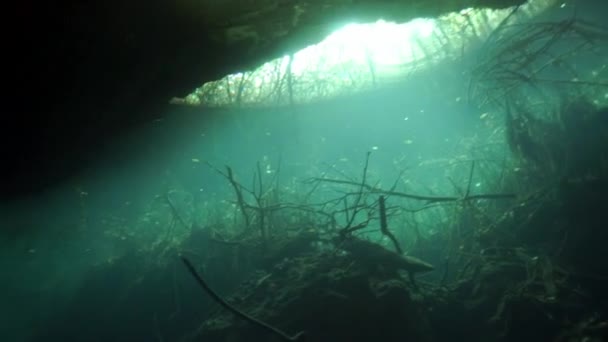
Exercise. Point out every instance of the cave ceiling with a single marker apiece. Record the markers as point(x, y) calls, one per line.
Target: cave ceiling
point(259, 30)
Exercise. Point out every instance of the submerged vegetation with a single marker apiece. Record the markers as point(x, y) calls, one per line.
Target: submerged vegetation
point(518, 262)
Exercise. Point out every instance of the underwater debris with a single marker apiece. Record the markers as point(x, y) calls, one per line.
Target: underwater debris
point(529, 61)
point(297, 337)
point(590, 329)
point(569, 145)
point(374, 255)
point(333, 296)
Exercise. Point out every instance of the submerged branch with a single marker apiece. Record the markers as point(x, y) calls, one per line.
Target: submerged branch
point(284, 337)
point(384, 225)
point(429, 199)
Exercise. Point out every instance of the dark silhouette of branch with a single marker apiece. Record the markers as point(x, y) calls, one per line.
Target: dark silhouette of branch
point(428, 199)
point(384, 225)
point(284, 337)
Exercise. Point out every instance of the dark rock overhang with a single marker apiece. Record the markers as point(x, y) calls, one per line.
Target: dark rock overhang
point(83, 73)
point(257, 31)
